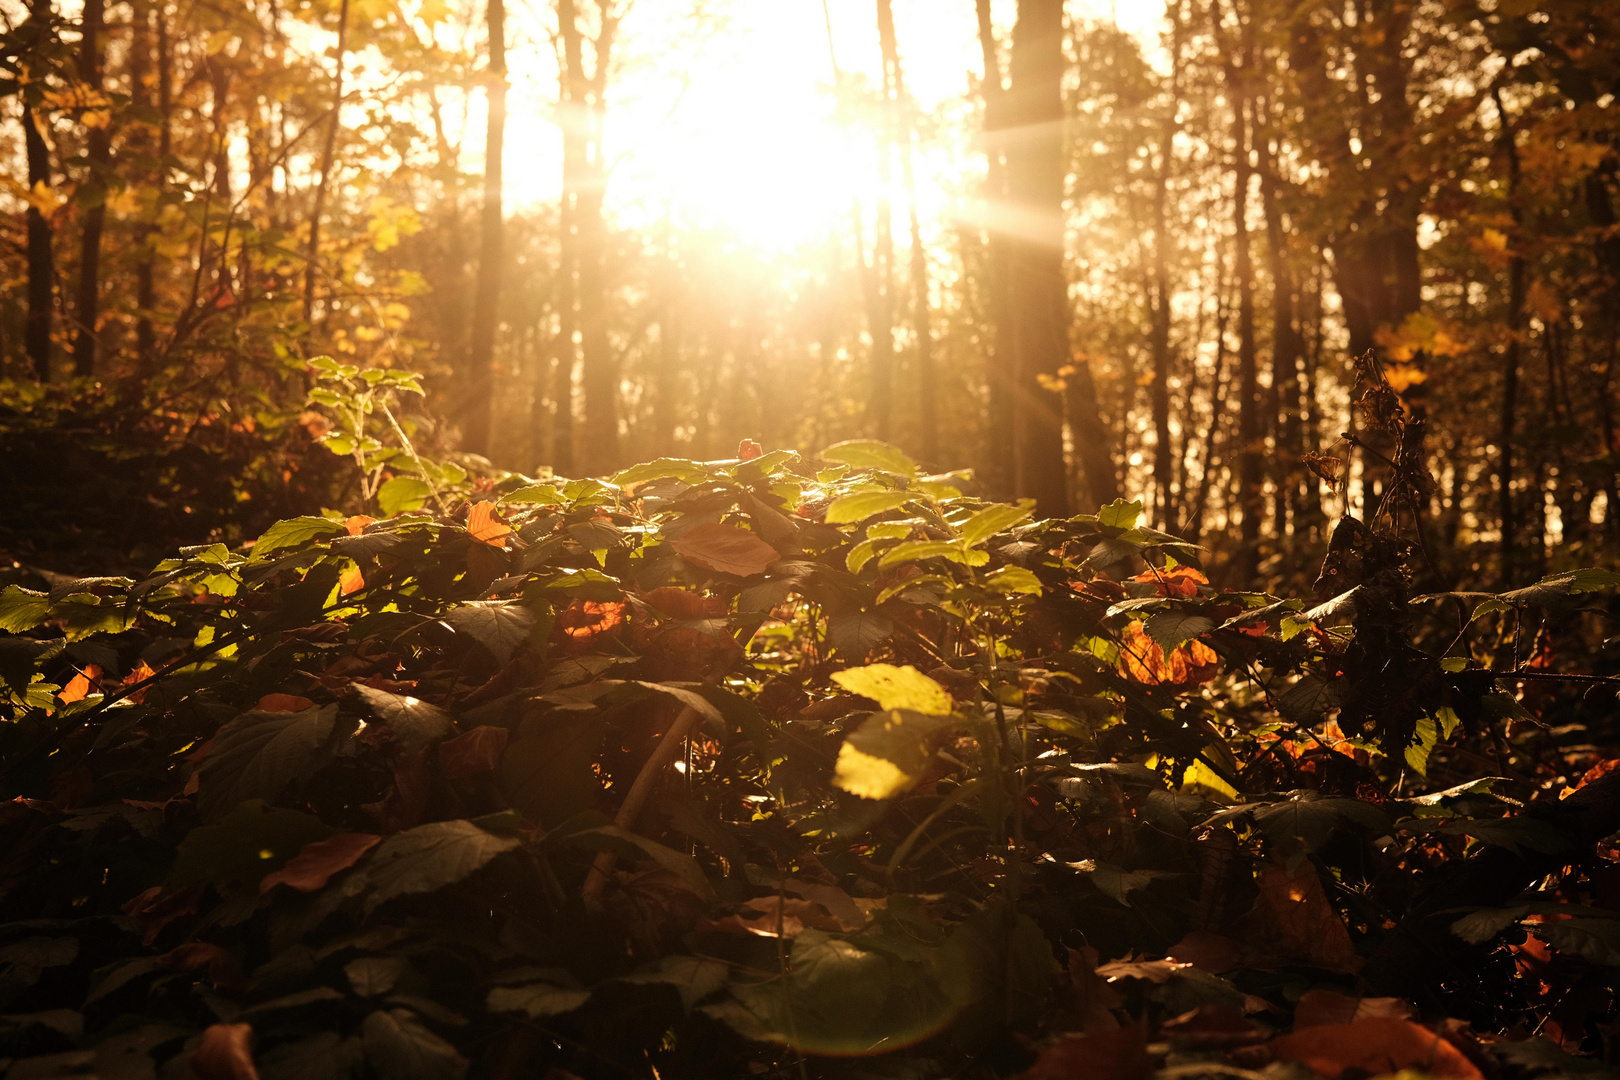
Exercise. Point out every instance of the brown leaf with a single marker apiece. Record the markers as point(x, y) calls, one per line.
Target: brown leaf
point(283, 703)
point(1155, 971)
point(1375, 1046)
point(314, 866)
point(1091, 1000)
point(200, 955)
point(726, 549)
point(584, 619)
point(1293, 910)
point(226, 1053)
point(748, 450)
point(484, 527)
point(1104, 1055)
point(1212, 1027)
point(476, 751)
point(154, 909)
point(1318, 1007)
point(685, 604)
point(1213, 953)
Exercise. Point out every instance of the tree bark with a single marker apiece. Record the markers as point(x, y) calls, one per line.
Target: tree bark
point(1508, 418)
point(487, 291)
point(41, 256)
point(1040, 308)
point(999, 351)
point(99, 152)
point(1164, 455)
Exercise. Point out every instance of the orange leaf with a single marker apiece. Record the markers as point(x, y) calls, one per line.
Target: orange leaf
point(726, 549)
point(140, 673)
point(1179, 581)
point(314, 866)
point(1293, 907)
point(1375, 1046)
point(357, 524)
point(350, 581)
point(586, 618)
point(81, 685)
point(226, 1053)
point(1141, 659)
point(748, 450)
point(484, 527)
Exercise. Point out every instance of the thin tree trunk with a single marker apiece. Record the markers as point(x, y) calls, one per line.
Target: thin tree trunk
point(1508, 510)
point(487, 290)
point(312, 256)
point(1285, 343)
point(41, 258)
point(99, 152)
point(1164, 456)
point(600, 376)
point(880, 408)
point(140, 58)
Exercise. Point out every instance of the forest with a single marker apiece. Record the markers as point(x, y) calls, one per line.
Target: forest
point(890, 539)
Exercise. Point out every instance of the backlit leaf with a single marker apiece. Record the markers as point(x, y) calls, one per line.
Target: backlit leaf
point(871, 454)
point(402, 494)
point(896, 688)
point(484, 527)
point(412, 722)
point(993, 519)
point(863, 504)
point(294, 532)
point(725, 549)
point(888, 753)
point(501, 626)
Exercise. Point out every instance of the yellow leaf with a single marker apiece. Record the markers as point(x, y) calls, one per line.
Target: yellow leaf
point(888, 754)
point(43, 199)
point(897, 688)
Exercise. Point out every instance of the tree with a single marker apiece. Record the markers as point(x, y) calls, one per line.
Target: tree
point(491, 266)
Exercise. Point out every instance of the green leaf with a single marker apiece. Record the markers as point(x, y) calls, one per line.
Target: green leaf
point(871, 454)
point(896, 688)
point(411, 721)
point(402, 494)
point(1012, 580)
point(292, 533)
point(1120, 514)
point(914, 550)
point(398, 1046)
point(425, 859)
point(540, 494)
point(539, 1000)
point(1171, 629)
point(856, 633)
point(1425, 735)
point(863, 504)
point(243, 846)
point(1556, 587)
point(687, 472)
point(501, 626)
point(20, 656)
point(860, 555)
point(998, 517)
point(22, 609)
point(888, 753)
point(259, 755)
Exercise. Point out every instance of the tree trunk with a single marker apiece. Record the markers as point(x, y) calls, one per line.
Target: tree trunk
point(312, 255)
point(1164, 455)
point(98, 151)
point(146, 15)
point(1040, 307)
point(1508, 420)
point(1285, 342)
point(487, 291)
point(998, 353)
point(1250, 472)
point(41, 259)
point(600, 376)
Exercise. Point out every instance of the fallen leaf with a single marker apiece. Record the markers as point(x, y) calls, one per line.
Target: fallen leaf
point(1293, 910)
point(1318, 1007)
point(474, 752)
point(1212, 1027)
point(484, 527)
point(315, 863)
point(226, 1053)
point(725, 549)
point(1155, 971)
point(1375, 1046)
point(1091, 1000)
point(283, 703)
point(1103, 1055)
point(221, 966)
point(1213, 953)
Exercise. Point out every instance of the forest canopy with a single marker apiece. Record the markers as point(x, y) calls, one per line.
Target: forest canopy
point(827, 538)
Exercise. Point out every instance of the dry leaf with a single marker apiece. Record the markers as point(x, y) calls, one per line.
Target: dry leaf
point(350, 581)
point(314, 866)
point(484, 527)
point(1376, 1046)
point(1318, 1007)
point(283, 703)
point(1294, 911)
point(748, 450)
point(1142, 660)
point(473, 752)
point(226, 1053)
point(81, 686)
point(1103, 1055)
point(726, 549)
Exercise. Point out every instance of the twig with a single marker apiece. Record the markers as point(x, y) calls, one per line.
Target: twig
point(640, 790)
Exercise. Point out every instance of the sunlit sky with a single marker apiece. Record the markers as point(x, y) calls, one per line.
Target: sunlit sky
point(730, 123)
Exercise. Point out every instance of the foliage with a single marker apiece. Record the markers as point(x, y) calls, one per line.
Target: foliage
point(954, 792)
